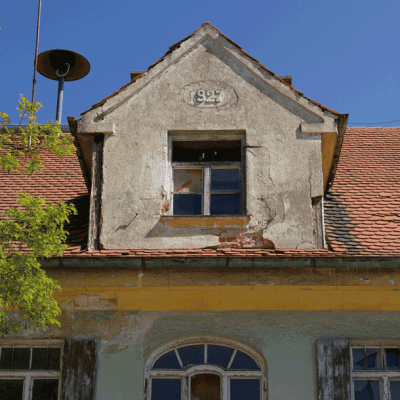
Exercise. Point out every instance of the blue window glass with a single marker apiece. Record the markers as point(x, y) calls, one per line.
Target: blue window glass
point(358, 360)
point(187, 204)
point(225, 180)
point(374, 360)
point(243, 361)
point(219, 355)
point(192, 355)
point(165, 389)
point(167, 361)
point(366, 390)
point(395, 390)
point(225, 204)
point(392, 359)
point(248, 389)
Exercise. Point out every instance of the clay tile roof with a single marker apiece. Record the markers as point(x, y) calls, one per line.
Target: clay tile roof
point(60, 180)
point(362, 209)
point(177, 45)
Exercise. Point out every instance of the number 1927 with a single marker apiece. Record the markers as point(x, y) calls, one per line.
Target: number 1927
point(207, 96)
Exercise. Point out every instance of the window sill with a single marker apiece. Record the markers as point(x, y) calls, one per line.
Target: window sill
point(210, 221)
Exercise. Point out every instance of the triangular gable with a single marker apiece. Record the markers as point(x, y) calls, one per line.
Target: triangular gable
point(177, 50)
point(325, 121)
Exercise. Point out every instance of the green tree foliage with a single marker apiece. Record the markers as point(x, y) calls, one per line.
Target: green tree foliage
point(31, 230)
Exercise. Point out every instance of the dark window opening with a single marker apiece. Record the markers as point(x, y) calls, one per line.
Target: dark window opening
point(206, 151)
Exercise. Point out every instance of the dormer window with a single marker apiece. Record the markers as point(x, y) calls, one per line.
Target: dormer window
point(207, 177)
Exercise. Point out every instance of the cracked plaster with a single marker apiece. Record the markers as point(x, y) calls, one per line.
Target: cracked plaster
point(283, 165)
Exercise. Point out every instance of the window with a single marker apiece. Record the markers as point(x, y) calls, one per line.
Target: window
point(375, 371)
point(30, 372)
point(207, 177)
point(205, 369)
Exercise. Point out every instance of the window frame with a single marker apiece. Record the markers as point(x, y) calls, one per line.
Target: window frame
point(383, 376)
point(29, 376)
point(206, 166)
point(186, 374)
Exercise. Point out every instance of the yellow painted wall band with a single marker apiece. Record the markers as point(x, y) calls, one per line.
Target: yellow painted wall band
point(230, 298)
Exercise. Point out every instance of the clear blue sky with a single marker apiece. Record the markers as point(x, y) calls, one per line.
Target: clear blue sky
point(344, 54)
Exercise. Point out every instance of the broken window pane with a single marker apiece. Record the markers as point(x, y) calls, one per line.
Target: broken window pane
point(358, 359)
point(225, 180)
point(225, 204)
point(395, 390)
point(45, 389)
point(21, 358)
point(205, 387)
point(54, 358)
point(167, 361)
point(374, 360)
point(248, 389)
point(206, 151)
point(165, 389)
point(188, 180)
point(6, 358)
point(39, 358)
point(243, 361)
point(11, 389)
point(219, 355)
point(187, 204)
point(392, 359)
point(364, 390)
point(192, 355)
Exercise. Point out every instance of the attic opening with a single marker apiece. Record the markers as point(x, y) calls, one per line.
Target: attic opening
point(207, 176)
point(207, 151)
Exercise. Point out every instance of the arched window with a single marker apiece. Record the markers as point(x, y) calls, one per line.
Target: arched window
point(205, 368)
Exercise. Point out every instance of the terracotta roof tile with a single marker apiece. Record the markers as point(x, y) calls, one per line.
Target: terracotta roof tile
point(361, 209)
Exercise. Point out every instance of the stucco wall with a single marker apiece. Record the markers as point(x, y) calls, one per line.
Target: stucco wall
point(286, 339)
point(283, 165)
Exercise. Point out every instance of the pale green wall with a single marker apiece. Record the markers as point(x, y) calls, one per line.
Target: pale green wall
point(285, 338)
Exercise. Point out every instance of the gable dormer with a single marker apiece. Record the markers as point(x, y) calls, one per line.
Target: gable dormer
point(208, 148)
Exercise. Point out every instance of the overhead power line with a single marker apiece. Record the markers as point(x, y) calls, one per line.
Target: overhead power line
point(373, 123)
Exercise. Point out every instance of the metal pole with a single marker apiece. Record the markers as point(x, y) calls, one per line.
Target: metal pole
point(60, 97)
point(36, 52)
point(61, 76)
point(36, 59)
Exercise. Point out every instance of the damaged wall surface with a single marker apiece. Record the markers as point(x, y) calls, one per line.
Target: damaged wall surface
point(286, 340)
point(282, 165)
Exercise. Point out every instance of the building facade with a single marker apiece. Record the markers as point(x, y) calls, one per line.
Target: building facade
point(233, 241)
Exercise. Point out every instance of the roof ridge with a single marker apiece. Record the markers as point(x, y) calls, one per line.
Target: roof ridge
point(176, 45)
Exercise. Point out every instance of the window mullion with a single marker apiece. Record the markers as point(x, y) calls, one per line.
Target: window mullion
point(385, 390)
point(28, 383)
point(225, 391)
point(207, 184)
point(185, 388)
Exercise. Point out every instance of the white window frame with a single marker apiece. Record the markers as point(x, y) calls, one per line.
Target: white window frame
point(30, 375)
point(384, 377)
point(224, 375)
point(206, 136)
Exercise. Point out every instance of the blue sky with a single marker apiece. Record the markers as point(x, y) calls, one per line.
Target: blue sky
point(344, 53)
